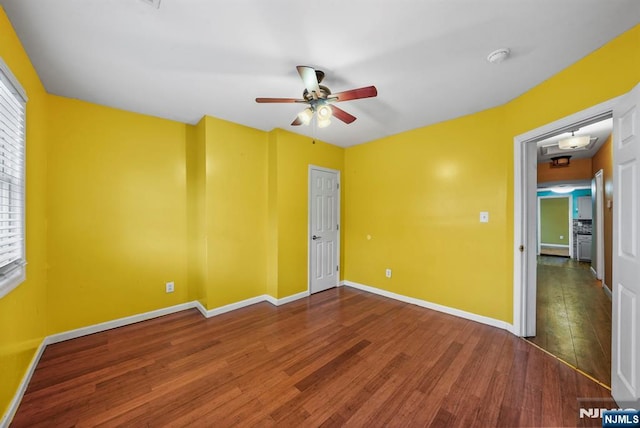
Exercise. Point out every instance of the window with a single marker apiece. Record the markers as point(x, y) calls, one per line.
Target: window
point(12, 189)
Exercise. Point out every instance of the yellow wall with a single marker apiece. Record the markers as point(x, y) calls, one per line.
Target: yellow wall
point(418, 194)
point(117, 213)
point(196, 216)
point(292, 154)
point(236, 212)
point(23, 311)
point(248, 210)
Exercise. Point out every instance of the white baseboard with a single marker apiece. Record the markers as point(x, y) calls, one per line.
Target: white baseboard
point(234, 306)
point(121, 322)
point(285, 300)
point(436, 307)
point(22, 388)
point(607, 290)
point(555, 245)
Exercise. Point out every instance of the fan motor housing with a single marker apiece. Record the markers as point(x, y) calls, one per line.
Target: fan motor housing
point(324, 93)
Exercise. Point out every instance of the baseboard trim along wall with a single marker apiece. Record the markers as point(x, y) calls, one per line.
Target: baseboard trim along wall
point(121, 322)
point(607, 290)
point(554, 245)
point(434, 306)
point(22, 388)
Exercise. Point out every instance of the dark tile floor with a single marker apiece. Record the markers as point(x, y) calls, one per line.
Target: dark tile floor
point(574, 316)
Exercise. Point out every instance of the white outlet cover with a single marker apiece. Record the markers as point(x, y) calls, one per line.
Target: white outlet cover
point(484, 217)
point(169, 287)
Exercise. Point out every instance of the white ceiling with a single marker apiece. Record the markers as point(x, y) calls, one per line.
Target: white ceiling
point(427, 58)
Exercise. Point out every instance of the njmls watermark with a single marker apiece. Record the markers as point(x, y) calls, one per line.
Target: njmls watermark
point(608, 412)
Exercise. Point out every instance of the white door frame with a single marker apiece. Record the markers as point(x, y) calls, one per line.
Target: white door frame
point(600, 226)
point(309, 219)
point(524, 260)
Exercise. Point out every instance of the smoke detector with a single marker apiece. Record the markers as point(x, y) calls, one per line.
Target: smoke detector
point(498, 55)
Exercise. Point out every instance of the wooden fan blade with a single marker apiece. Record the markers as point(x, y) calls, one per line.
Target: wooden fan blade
point(296, 122)
point(354, 94)
point(309, 78)
point(279, 100)
point(342, 115)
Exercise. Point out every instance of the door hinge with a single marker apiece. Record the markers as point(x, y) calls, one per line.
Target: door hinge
point(337, 268)
point(337, 185)
point(337, 227)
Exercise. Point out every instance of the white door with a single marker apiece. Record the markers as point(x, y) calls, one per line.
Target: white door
point(625, 352)
point(324, 228)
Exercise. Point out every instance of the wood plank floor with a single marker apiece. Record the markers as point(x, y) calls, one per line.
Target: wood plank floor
point(338, 358)
point(574, 316)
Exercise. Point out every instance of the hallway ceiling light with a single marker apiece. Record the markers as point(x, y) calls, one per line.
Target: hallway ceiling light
point(562, 189)
point(574, 142)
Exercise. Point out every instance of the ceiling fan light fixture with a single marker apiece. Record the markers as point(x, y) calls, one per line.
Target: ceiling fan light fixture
point(323, 122)
point(306, 115)
point(324, 112)
point(574, 142)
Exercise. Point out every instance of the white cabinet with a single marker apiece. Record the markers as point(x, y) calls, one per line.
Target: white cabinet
point(584, 247)
point(584, 208)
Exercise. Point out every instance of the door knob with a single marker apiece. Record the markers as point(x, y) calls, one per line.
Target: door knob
point(314, 237)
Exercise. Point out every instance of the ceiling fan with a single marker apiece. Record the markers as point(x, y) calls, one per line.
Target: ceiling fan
point(321, 100)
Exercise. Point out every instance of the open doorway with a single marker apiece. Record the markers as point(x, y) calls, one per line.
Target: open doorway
point(573, 309)
point(568, 312)
point(625, 266)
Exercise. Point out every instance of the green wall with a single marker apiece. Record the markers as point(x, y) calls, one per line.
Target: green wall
point(554, 220)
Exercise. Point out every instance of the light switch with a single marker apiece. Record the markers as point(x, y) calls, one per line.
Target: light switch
point(484, 217)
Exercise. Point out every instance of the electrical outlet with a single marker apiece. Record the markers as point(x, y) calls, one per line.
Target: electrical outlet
point(169, 286)
point(387, 273)
point(484, 217)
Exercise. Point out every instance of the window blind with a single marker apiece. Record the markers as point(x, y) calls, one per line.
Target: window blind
point(12, 168)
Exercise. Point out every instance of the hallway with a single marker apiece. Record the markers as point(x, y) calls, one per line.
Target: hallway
point(574, 316)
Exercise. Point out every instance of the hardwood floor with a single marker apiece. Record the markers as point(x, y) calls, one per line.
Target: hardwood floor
point(338, 358)
point(574, 316)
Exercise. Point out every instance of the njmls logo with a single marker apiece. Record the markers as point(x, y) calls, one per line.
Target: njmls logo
point(621, 418)
point(610, 413)
point(601, 413)
point(592, 413)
